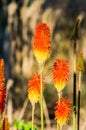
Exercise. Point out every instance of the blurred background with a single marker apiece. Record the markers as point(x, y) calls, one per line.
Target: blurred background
point(18, 20)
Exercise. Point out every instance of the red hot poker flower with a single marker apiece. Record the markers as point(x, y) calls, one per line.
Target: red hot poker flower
point(62, 111)
point(2, 97)
point(60, 74)
point(34, 88)
point(5, 124)
point(41, 45)
point(2, 88)
point(2, 79)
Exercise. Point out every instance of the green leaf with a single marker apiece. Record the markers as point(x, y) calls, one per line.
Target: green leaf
point(22, 126)
point(29, 126)
point(15, 123)
point(19, 124)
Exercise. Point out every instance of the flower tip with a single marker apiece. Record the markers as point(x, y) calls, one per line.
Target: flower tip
point(41, 45)
point(60, 74)
point(2, 62)
point(34, 88)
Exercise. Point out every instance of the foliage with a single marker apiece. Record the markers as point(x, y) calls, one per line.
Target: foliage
point(21, 125)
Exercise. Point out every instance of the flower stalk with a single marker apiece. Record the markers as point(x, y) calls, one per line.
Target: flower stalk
point(74, 88)
point(80, 69)
point(41, 48)
point(41, 95)
point(34, 92)
point(74, 38)
point(33, 108)
point(60, 77)
point(79, 95)
point(59, 97)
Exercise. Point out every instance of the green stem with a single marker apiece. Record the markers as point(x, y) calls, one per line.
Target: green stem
point(33, 107)
point(78, 119)
point(74, 88)
point(79, 92)
point(59, 98)
point(74, 121)
point(41, 98)
point(74, 103)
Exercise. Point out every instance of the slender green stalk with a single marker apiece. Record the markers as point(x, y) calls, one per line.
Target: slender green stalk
point(41, 98)
point(74, 121)
point(78, 120)
point(79, 92)
point(33, 107)
point(74, 88)
point(59, 97)
point(74, 38)
point(47, 120)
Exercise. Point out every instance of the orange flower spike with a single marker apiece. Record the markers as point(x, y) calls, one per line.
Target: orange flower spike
point(5, 124)
point(34, 88)
point(2, 79)
point(2, 88)
point(60, 74)
point(41, 45)
point(2, 98)
point(62, 111)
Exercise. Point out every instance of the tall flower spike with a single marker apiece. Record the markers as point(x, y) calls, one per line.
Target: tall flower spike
point(34, 88)
point(62, 111)
point(2, 98)
point(60, 74)
point(2, 79)
point(2, 88)
point(41, 45)
point(5, 124)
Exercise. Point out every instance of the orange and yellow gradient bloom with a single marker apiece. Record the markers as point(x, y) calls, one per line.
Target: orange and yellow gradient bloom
point(62, 111)
point(41, 45)
point(5, 124)
point(2, 88)
point(2, 79)
point(34, 88)
point(2, 98)
point(60, 74)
